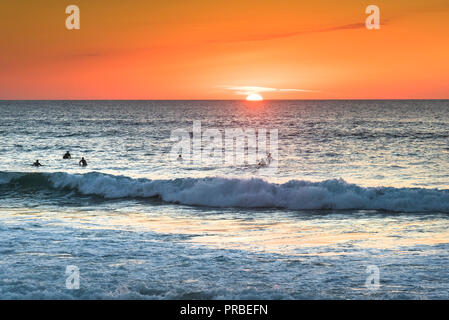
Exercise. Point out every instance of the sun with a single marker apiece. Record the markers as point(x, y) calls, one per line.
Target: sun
point(254, 97)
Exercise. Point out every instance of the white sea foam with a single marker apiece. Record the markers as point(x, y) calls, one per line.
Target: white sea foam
point(246, 193)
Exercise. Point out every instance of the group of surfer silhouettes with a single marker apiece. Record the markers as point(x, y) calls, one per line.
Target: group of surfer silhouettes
point(262, 162)
point(67, 155)
point(83, 162)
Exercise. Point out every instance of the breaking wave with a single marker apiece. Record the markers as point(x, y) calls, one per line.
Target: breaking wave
point(244, 193)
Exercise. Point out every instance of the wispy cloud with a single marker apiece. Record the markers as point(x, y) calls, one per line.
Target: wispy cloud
point(246, 90)
point(265, 37)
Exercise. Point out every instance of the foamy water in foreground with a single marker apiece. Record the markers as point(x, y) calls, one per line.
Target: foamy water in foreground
point(359, 184)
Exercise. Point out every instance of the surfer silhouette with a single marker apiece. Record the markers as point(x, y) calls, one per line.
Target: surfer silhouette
point(262, 163)
point(269, 158)
point(180, 158)
point(37, 164)
point(67, 156)
point(83, 162)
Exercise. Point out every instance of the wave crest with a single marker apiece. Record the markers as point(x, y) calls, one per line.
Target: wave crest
point(246, 193)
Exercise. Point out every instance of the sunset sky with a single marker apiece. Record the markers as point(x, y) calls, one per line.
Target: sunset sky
point(191, 49)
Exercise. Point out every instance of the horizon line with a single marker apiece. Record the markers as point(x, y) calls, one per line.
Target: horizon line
point(340, 99)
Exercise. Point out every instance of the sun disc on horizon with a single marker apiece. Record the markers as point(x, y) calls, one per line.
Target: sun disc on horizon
point(254, 97)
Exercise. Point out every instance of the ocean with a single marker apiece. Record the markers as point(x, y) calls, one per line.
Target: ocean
point(355, 207)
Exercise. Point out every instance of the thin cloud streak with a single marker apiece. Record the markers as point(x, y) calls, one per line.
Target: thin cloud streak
point(246, 90)
point(267, 37)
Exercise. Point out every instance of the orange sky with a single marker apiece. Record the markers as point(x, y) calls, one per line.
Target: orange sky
point(141, 49)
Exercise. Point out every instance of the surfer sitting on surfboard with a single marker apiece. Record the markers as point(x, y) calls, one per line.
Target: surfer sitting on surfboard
point(83, 162)
point(67, 156)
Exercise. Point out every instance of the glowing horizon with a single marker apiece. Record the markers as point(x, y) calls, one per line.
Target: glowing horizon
point(224, 51)
point(254, 97)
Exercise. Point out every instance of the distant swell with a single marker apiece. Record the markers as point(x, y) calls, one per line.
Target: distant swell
point(245, 193)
